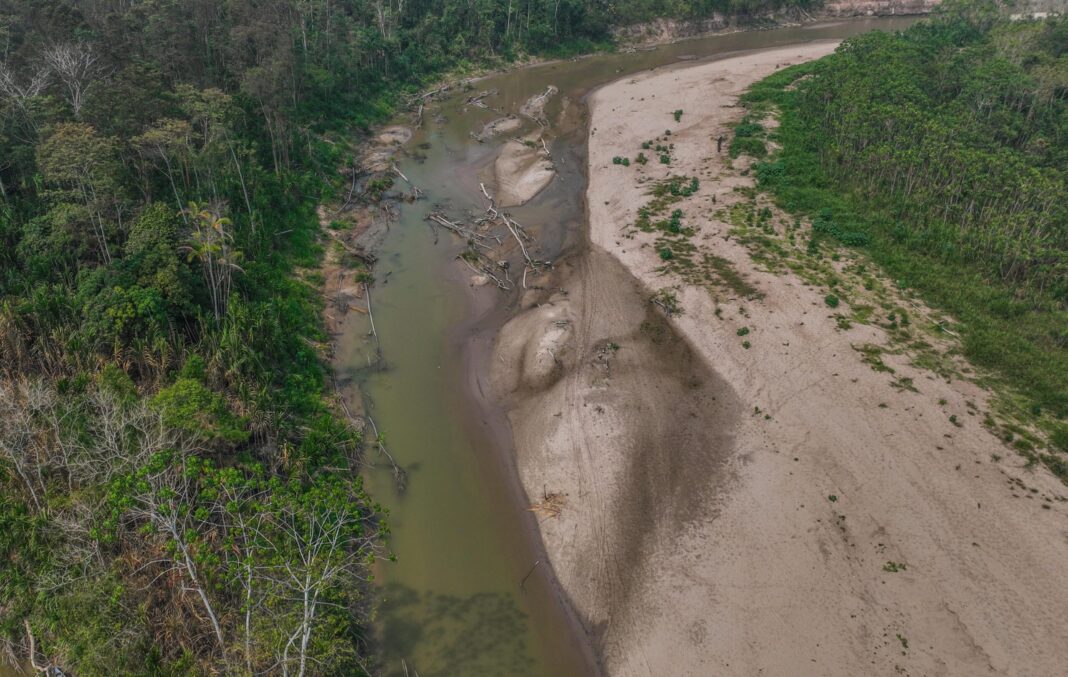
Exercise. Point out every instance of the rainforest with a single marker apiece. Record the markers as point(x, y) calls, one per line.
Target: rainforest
point(198, 199)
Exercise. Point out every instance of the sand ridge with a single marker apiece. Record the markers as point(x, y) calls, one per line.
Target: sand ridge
point(699, 534)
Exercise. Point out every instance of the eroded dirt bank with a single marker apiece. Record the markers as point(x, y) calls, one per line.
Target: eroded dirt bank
point(661, 31)
point(772, 505)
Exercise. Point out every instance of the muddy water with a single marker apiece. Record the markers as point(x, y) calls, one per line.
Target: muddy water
point(470, 592)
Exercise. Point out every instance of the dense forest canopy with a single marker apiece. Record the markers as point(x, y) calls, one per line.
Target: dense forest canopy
point(943, 151)
point(177, 495)
point(970, 130)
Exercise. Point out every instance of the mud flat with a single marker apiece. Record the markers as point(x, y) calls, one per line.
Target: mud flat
point(767, 506)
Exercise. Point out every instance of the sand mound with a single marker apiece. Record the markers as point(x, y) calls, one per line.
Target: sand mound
point(539, 340)
point(523, 168)
point(612, 413)
point(504, 125)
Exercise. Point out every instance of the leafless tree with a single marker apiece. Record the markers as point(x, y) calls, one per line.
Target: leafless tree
point(78, 67)
point(319, 554)
point(20, 445)
point(388, 14)
point(37, 439)
point(162, 499)
point(19, 94)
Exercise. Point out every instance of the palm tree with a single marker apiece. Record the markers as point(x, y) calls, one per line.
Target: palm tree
point(211, 243)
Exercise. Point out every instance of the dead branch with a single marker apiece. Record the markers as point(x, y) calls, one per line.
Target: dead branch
point(352, 189)
point(477, 100)
point(526, 255)
point(522, 583)
point(514, 228)
point(399, 474)
point(415, 188)
point(471, 236)
point(33, 649)
point(501, 284)
point(371, 317)
point(551, 505)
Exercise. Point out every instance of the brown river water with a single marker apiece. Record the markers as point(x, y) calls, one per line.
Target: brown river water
point(452, 602)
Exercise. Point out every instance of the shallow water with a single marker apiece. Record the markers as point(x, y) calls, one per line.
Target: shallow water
point(452, 603)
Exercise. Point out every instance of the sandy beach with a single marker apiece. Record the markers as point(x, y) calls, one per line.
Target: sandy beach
point(772, 506)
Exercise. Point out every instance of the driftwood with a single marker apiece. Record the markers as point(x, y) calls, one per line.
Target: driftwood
point(436, 92)
point(421, 98)
point(503, 285)
point(514, 228)
point(477, 100)
point(523, 583)
point(488, 197)
point(477, 239)
point(526, 255)
point(534, 108)
point(415, 189)
point(476, 260)
point(399, 474)
point(371, 317)
point(537, 100)
point(366, 257)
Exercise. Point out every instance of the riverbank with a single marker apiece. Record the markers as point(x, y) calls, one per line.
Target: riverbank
point(770, 501)
point(667, 30)
point(657, 33)
point(470, 473)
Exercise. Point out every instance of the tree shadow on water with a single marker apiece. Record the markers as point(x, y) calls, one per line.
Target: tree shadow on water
point(484, 634)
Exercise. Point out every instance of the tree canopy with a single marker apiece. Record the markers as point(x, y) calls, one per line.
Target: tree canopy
point(943, 151)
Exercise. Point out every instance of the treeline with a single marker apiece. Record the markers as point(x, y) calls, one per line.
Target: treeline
point(965, 125)
point(943, 150)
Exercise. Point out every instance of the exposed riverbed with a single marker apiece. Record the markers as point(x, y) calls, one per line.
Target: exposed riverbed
point(471, 592)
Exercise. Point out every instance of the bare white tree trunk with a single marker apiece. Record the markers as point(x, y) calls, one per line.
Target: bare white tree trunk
point(78, 67)
point(18, 94)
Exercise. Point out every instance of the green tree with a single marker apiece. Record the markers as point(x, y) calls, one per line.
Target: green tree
point(84, 167)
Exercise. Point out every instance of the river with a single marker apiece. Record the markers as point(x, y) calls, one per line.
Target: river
point(470, 592)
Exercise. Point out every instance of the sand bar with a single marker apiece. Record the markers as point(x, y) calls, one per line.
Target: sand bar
point(698, 535)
